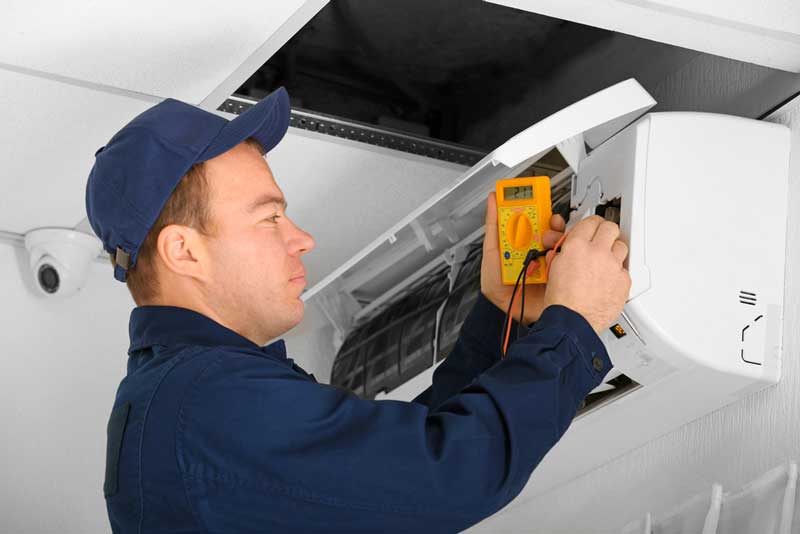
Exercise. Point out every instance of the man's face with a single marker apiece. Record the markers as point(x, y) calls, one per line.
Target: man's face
point(256, 252)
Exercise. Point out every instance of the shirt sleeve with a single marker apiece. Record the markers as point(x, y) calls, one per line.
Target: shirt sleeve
point(476, 349)
point(267, 450)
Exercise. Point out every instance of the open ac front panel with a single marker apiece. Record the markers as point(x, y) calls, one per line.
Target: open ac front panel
point(703, 323)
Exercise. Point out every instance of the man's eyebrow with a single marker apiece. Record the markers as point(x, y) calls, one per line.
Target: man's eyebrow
point(263, 200)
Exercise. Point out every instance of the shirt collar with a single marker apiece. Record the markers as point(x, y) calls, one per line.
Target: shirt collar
point(173, 325)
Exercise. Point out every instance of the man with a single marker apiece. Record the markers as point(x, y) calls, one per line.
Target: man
point(213, 432)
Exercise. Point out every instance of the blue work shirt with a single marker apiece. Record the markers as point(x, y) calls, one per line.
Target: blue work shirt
point(212, 433)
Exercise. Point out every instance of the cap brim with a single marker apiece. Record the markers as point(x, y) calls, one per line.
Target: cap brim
point(267, 121)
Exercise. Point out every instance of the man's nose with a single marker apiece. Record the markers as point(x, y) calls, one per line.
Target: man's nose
point(302, 240)
point(308, 242)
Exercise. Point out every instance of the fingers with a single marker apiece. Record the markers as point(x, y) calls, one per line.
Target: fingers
point(620, 250)
point(595, 229)
point(490, 244)
point(584, 230)
point(606, 234)
point(550, 238)
point(491, 209)
point(558, 223)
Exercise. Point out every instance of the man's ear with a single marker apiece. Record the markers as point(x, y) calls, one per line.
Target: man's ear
point(182, 251)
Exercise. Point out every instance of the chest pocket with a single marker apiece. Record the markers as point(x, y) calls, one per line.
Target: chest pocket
point(115, 431)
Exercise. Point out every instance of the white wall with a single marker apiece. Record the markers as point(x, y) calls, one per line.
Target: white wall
point(731, 446)
point(60, 365)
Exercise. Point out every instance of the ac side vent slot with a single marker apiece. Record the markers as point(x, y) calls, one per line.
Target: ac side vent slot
point(745, 297)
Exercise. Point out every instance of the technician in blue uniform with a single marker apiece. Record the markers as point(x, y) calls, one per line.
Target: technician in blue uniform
point(212, 432)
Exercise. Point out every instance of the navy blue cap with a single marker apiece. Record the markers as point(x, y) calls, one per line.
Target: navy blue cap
point(136, 171)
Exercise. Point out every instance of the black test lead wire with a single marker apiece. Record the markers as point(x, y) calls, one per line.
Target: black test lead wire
point(532, 255)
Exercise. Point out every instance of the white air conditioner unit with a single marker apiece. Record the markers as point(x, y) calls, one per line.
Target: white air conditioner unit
point(700, 200)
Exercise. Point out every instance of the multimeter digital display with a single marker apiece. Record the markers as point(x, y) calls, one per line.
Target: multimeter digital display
point(518, 192)
point(523, 215)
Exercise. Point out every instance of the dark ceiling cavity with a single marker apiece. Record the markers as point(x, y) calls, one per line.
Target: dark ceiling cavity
point(476, 73)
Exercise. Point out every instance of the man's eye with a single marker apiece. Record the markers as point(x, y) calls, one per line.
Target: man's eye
point(273, 217)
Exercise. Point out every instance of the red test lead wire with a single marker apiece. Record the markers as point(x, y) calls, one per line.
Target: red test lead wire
point(557, 248)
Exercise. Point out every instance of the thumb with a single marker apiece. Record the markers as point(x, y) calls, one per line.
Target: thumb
point(490, 244)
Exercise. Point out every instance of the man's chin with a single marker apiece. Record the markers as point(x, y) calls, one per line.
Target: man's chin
point(300, 306)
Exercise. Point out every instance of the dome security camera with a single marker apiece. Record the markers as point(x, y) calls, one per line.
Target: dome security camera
point(59, 259)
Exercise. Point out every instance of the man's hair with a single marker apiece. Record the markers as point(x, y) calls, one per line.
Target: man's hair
point(188, 205)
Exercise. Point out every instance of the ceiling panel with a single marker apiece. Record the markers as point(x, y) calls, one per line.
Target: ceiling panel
point(764, 33)
point(198, 51)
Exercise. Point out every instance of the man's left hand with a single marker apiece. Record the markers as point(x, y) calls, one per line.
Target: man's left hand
point(492, 285)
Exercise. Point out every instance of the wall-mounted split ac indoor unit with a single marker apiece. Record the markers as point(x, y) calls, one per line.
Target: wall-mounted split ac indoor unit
point(701, 201)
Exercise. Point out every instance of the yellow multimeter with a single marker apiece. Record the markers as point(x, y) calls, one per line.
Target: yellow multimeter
point(523, 215)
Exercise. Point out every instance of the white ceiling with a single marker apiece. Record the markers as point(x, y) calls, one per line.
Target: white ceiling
point(755, 31)
point(198, 51)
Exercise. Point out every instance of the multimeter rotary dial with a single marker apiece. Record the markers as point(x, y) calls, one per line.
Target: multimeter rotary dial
point(519, 231)
point(523, 213)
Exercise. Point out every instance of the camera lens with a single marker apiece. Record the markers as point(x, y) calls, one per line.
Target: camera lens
point(48, 278)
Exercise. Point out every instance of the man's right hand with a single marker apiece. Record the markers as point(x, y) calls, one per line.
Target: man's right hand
point(587, 276)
